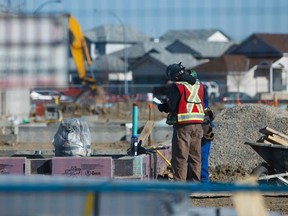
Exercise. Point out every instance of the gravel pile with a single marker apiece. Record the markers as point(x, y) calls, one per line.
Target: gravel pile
point(234, 126)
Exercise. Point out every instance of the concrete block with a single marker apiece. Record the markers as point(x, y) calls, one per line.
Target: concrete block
point(10, 139)
point(141, 165)
point(12, 165)
point(123, 167)
point(92, 167)
point(38, 167)
point(147, 168)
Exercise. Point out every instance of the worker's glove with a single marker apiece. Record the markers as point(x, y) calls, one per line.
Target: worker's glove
point(171, 118)
point(208, 112)
point(207, 132)
point(163, 107)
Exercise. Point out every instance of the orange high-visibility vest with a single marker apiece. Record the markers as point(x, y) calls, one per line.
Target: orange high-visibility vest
point(191, 105)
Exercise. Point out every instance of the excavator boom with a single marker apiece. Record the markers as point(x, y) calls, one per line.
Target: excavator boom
point(78, 47)
point(80, 54)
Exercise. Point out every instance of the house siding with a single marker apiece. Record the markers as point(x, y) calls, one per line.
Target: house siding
point(218, 37)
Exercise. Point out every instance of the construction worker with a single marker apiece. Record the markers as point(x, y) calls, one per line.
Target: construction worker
point(186, 113)
point(208, 134)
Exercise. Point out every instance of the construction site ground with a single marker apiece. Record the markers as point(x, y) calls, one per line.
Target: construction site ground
point(223, 174)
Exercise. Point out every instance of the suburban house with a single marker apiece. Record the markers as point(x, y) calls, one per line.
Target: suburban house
point(104, 40)
point(150, 70)
point(256, 65)
point(148, 62)
point(218, 69)
point(150, 59)
point(259, 64)
point(141, 49)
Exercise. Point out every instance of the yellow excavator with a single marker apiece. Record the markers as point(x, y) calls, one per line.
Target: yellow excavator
point(79, 51)
point(80, 54)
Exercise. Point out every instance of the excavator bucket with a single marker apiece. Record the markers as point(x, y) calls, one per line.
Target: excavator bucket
point(78, 47)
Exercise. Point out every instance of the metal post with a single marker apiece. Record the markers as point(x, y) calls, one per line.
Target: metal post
point(126, 91)
point(134, 138)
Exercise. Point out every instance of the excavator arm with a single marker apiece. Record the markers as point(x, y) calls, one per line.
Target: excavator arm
point(79, 51)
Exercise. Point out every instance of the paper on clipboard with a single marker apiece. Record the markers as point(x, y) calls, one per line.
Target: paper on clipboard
point(156, 101)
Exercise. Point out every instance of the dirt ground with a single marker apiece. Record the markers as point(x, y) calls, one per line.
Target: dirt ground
point(218, 174)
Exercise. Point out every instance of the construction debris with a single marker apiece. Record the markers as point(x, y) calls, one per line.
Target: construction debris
point(272, 136)
point(237, 125)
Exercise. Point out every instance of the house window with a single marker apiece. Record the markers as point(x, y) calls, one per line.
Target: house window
point(278, 83)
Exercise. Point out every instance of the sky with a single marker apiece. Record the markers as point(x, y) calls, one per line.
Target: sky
point(236, 18)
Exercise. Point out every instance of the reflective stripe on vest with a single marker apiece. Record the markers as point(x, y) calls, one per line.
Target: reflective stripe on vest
point(192, 100)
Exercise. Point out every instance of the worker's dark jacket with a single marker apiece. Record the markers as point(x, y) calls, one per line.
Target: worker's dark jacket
point(174, 97)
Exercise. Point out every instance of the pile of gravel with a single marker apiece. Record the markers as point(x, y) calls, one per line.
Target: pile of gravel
point(237, 125)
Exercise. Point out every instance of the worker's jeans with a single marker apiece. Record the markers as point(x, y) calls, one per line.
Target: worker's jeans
point(205, 150)
point(186, 152)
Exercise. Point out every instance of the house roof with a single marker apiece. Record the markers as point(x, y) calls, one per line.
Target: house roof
point(114, 33)
point(225, 63)
point(230, 63)
point(166, 58)
point(102, 63)
point(278, 41)
point(140, 49)
point(198, 34)
point(269, 45)
point(108, 63)
point(206, 49)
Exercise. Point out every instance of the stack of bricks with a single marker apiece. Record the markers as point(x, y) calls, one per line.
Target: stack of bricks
point(142, 167)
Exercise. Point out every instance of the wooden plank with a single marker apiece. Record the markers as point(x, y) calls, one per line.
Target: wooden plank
point(266, 141)
point(249, 203)
point(145, 133)
point(270, 131)
point(277, 140)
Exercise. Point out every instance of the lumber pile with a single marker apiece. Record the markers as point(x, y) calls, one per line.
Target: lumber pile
point(271, 136)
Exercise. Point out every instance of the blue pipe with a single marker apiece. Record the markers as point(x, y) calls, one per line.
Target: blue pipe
point(135, 121)
point(134, 138)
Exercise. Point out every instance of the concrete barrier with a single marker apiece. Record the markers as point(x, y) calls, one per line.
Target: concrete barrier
point(100, 133)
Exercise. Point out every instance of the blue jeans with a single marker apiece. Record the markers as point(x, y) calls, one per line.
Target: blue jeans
point(205, 150)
